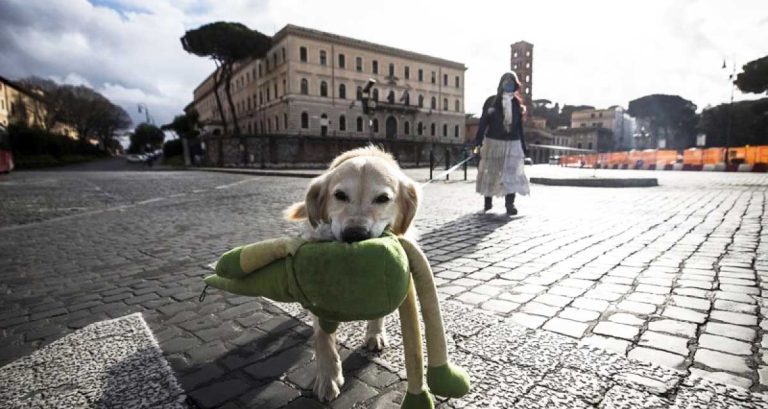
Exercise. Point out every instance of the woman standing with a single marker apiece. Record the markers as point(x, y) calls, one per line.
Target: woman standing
point(502, 146)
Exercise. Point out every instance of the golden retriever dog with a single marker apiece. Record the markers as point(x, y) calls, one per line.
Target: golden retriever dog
point(362, 193)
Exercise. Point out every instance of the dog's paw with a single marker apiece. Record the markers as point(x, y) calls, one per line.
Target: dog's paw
point(327, 388)
point(376, 342)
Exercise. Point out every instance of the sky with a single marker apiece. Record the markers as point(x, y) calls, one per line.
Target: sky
point(587, 52)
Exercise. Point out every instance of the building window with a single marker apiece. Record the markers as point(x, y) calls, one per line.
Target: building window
point(282, 51)
point(578, 145)
point(445, 130)
point(407, 72)
point(304, 120)
point(277, 118)
point(457, 105)
point(391, 97)
point(359, 124)
point(342, 61)
point(285, 121)
point(527, 53)
point(302, 56)
point(421, 101)
point(456, 82)
point(527, 78)
point(391, 70)
point(589, 146)
point(359, 94)
point(420, 129)
point(456, 131)
point(274, 64)
point(407, 128)
point(434, 77)
point(275, 86)
point(421, 75)
point(514, 66)
point(445, 104)
point(359, 64)
point(323, 89)
point(375, 125)
point(527, 91)
point(376, 94)
point(260, 72)
point(323, 58)
point(342, 91)
point(433, 103)
point(304, 86)
point(445, 80)
point(432, 129)
point(269, 125)
point(527, 65)
point(514, 54)
point(268, 97)
point(375, 66)
point(342, 123)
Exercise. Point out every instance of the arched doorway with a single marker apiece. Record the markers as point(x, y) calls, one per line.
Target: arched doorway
point(391, 127)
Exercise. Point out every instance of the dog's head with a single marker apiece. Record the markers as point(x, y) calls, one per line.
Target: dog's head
point(363, 192)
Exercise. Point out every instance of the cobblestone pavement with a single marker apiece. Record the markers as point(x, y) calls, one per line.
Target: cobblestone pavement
point(671, 275)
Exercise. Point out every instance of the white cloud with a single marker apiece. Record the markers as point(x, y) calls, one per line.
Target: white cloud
point(587, 52)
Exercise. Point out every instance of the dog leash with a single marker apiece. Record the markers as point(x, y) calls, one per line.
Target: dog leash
point(450, 170)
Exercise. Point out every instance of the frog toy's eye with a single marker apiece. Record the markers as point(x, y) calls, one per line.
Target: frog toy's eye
point(341, 196)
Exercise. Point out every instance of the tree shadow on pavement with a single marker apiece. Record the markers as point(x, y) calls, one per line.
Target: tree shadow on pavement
point(462, 236)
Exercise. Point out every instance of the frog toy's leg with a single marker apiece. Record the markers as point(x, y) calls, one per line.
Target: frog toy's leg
point(244, 260)
point(416, 396)
point(443, 377)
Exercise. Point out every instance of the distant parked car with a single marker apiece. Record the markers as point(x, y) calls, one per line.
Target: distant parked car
point(528, 161)
point(135, 158)
point(554, 160)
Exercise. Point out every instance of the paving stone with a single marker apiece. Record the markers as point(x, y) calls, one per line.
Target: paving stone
point(737, 289)
point(647, 298)
point(628, 319)
point(664, 342)
point(472, 298)
point(684, 314)
point(580, 315)
point(619, 346)
point(566, 327)
point(738, 297)
point(219, 392)
point(540, 309)
point(682, 328)
point(723, 344)
point(540, 397)
point(603, 295)
point(637, 307)
point(691, 302)
point(735, 306)
point(722, 377)
point(590, 304)
point(272, 396)
point(657, 357)
point(624, 397)
point(500, 306)
point(652, 289)
point(722, 361)
point(616, 330)
point(692, 292)
point(733, 317)
point(528, 320)
point(566, 291)
point(353, 391)
point(553, 300)
point(517, 298)
point(730, 331)
point(280, 363)
point(762, 371)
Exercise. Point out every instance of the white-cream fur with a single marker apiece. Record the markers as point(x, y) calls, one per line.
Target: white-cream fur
point(348, 172)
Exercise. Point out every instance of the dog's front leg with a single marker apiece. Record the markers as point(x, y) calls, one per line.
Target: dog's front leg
point(376, 335)
point(328, 380)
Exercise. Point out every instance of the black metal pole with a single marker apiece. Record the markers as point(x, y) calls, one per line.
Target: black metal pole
point(447, 163)
point(466, 155)
point(431, 162)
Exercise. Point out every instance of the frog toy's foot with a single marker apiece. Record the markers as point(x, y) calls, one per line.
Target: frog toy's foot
point(449, 380)
point(421, 401)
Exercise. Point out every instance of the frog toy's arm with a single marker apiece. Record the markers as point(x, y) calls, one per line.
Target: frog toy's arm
point(244, 260)
point(443, 377)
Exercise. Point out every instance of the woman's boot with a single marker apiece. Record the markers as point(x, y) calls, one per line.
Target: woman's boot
point(509, 202)
point(488, 203)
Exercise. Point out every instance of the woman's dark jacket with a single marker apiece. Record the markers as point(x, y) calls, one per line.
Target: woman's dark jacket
point(491, 123)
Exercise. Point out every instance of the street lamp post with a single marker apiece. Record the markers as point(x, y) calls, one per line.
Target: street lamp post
point(730, 111)
point(146, 111)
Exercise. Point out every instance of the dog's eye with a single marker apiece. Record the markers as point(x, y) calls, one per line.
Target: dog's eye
point(341, 196)
point(381, 199)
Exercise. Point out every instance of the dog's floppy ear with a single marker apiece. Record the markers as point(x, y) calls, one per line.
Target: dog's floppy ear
point(315, 200)
point(408, 198)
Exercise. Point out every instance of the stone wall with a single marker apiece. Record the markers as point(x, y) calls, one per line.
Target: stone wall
point(284, 151)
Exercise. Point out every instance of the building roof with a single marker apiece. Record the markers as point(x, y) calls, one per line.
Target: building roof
point(291, 29)
point(20, 88)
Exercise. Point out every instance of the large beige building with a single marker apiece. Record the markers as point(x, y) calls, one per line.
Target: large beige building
point(19, 105)
point(614, 119)
point(310, 84)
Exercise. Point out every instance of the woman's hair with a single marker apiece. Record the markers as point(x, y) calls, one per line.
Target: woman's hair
point(510, 75)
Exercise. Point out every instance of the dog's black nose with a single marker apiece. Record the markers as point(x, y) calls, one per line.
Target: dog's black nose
point(353, 234)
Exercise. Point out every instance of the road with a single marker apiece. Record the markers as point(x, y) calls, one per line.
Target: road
point(672, 275)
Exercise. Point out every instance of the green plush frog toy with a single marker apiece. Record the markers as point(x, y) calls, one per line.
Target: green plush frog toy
point(341, 282)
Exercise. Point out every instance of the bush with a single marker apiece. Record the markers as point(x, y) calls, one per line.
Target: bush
point(27, 141)
point(173, 148)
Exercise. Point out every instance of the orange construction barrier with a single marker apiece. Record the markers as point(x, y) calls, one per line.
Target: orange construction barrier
point(665, 157)
point(693, 156)
point(757, 154)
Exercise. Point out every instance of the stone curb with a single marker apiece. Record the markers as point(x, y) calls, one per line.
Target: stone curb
point(597, 182)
